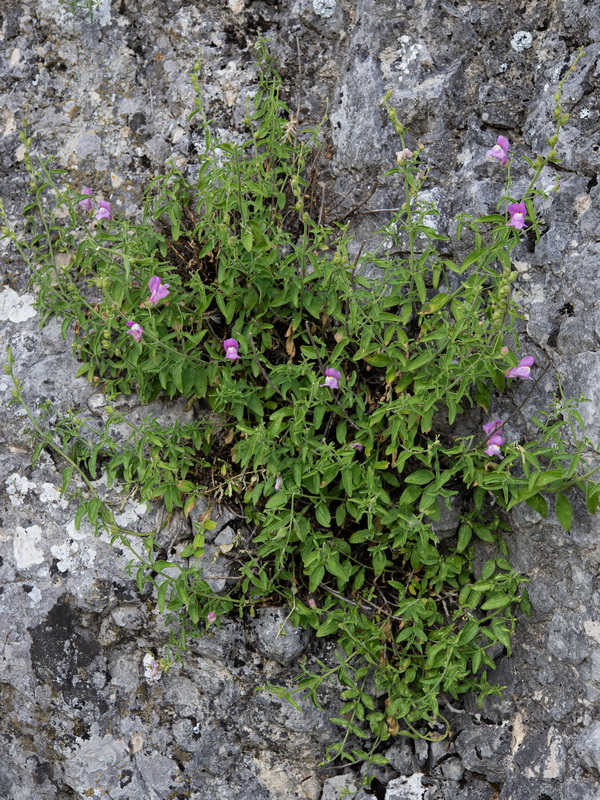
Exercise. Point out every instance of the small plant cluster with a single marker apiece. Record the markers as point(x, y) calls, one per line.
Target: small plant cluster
point(78, 5)
point(341, 411)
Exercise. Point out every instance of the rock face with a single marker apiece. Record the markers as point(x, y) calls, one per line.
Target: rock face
point(83, 714)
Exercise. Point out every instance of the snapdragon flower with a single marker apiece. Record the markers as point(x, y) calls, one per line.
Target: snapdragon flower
point(500, 151)
point(332, 378)
point(158, 290)
point(136, 330)
point(495, 440)
point(518, 212)
point(493, 427)
point(522, 370)
point(104, 210)
point(211, 617)
point(87, 204)
point(231, 349)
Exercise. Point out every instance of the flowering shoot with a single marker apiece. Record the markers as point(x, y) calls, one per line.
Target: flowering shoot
point(104, 210)
point(136, 330)
point(332, 378)
point(518, 212)
point(86, 204)
point(500, 151)
point(522, 370)
point(231, 349)
point(158, 290)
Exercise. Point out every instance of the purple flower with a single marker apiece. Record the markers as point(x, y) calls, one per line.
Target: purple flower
point(87, 203)
point(493, 427)
point(500, 151)
point(494, 444)
point(522, 370)
point(495, 441)
point(358, 446)
point(211, 617)
point(332, 378)
point(104, 210)
point(158, 290)
point(278, 483)
point(518, 212)
point(231, 349)
point(136, 330)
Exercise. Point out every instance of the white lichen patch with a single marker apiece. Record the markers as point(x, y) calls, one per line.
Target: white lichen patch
point(522, 40)
point(17, 487)
point(14, 307)
point(25, 546)
point(324, 8)
point(50, 494)
point(34, 596)
point(132, 513)
point(592, 629)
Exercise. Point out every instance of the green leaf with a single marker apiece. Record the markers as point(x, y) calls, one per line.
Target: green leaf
point(501, 634)
point(247, 239)
point(469, 632)
point(420, 477)
point(67, 474)
point(161, 595)
point(538, 504)
point(564, 512)
point(484, 533)
point(329, 626)
point(591, 497)
point(488, 569)
point(499, 600)
point(435, 304)
point(316, 576)
point(81, 512)
point(465, 532)
point(322, 514)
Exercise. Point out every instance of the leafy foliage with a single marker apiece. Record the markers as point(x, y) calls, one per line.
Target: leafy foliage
point(345, 486)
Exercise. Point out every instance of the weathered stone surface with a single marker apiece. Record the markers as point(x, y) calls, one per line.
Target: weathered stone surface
point(275, 638)
point(109, 99)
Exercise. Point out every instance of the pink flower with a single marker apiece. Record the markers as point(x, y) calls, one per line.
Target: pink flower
point(104, 210)
point(500, 151)
point(493, 427)
point(231, 349)
point(136, 330)
point(211, 617)
point(494, 444)
point(311, 603)
point(518, 212)
point(278, 483)
point(87, 203)
point(158, 290)
point(495, 441)
point(522, 370)
point(332, 378)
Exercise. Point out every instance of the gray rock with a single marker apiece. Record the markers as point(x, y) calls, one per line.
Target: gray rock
point(402, 757)
point(485, 749)
point(406, 788)
point(452, 769)
point(587, 746)
point(109, 99)
point(275, 638)
point(340, 787)
point(565, 641)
